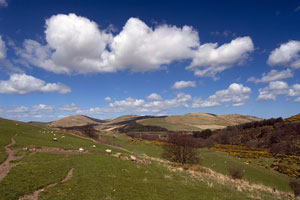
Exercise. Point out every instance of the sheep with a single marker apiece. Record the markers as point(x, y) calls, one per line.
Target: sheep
point(117, 155)
point(133, 158)
point(94, 146)
point(108, 151)
point(63, 136)
point(81, 149)
point(54, 139)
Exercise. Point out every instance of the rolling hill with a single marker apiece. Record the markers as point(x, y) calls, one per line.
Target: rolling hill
point(33, 165)
point(74, 120)
point(187, 122)
point(198, 121)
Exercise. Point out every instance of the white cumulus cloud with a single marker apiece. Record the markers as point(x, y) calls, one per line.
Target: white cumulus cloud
point(273, 75)
point(278, 88)
point(141, 48)
point(237, 94)
point(286, 55)
point(23, 84)
point(210, 59)
point(183, 84)
point(75, 44)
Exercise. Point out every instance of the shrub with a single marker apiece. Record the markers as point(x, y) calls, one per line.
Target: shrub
point(90, 131)
point(202, 134)
point(235, 172)
point(181, 149)
point(295, 185)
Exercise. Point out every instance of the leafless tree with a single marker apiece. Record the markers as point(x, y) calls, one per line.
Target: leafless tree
point(181, 148)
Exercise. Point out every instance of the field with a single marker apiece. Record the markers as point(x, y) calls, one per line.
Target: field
point(57, 170)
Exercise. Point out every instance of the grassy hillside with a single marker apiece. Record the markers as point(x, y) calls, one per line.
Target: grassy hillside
point(187, 122)
point(255, 172)
point(198, 121)
point(75, 120)
point(97, 175)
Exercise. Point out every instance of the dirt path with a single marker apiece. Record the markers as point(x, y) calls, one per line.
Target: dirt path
point(57, 150)
point(7, 165)
point(35, 195)
point(99, 142)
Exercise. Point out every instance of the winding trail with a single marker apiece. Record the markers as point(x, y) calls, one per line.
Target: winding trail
point(7, 165)
point(35, 195)
point(99, 142)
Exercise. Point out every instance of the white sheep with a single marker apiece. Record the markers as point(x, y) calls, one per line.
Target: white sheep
point(133, 158)
point(81, 149)
point(108, 151)
point(94, 146)
point(54, 139)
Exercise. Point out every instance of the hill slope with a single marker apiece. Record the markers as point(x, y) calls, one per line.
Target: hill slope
point(199, 121)
point(57, 170)
point(74, 120)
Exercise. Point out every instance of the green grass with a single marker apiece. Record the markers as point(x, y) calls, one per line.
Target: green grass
point(217, 161)
point(100, 176)
point(139, 147)
point(170, 126)
point(104, 177)
point(220, 162)
point(7, 129)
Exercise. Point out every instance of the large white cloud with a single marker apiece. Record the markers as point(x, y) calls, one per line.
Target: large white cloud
point(273, 75)
point(235, 93)
point(178, 85)
point(3, 3)
point(76, 45)
point(142, 48)
point(278, 88)
point(286, 55)
point(23, 84)
point(210, 59)
point(2, 49)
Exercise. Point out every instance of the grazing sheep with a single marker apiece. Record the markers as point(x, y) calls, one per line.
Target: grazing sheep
point(63, 136)
point(108, 151)
point(117, 155)
point(94, 146)
point(54, 139)
point(133, 158)
point(81, 149)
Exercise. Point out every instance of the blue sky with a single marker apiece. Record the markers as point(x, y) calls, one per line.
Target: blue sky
point(108, 58)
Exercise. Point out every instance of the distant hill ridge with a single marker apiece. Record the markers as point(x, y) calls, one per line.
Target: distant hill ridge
point(75, 120)
point(187, 122)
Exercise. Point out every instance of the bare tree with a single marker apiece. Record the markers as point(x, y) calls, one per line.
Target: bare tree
point(90, 131)
point(181, 148)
